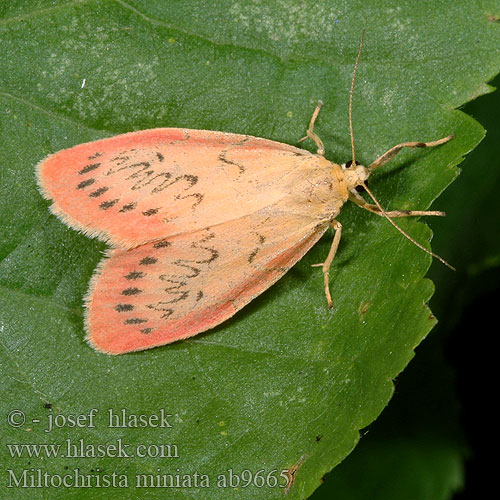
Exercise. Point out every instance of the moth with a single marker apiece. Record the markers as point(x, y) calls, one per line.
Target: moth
point(199, 223)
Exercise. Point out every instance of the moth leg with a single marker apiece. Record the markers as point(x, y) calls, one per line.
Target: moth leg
point(356, 198)
point(312, 135)
point(337, 226)
point(388, 155)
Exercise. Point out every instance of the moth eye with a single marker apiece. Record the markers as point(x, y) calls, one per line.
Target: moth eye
point(349, 163)
point(360, 188)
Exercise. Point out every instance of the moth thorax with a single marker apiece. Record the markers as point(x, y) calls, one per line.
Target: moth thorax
point(354, 174)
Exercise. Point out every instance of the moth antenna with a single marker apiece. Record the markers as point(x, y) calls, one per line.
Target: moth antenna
point(350, 97)
point(406, 235)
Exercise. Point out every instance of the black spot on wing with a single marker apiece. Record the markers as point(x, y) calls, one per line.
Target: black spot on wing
point(148, 261)
point(134, 275)
point(85, 183)
point(135, 321)
point(108, 204)
point(131, 291)
point(98, 192)
point(151, 211)
point(162, 244)
point(128, 207)
point(89, 168)
point(124, 307)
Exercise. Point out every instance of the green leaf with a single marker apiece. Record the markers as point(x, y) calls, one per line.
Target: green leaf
point(415, 450)
point(421, 427)
point(286, 381)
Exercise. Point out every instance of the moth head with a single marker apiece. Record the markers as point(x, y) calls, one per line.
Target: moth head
point(355, 174)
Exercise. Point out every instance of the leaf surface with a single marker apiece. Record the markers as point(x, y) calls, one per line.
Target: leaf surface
point(286, 381)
